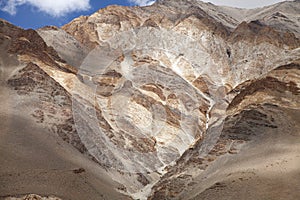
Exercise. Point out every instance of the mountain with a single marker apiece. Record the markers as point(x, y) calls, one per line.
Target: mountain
point(178, 100)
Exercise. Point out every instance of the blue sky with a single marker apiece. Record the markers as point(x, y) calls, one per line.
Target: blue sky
point(38, 13)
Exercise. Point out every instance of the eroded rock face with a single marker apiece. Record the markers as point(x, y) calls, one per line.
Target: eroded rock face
point(158, 94)
point(259, 110)
point(67, 47)
point(159, 113)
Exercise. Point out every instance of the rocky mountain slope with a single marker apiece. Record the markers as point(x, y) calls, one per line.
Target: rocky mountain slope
point(178, 100)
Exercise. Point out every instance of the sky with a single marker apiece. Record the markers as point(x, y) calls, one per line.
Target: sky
point(38, 13)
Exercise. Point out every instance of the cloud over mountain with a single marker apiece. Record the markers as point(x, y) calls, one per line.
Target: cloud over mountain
point(53, 8)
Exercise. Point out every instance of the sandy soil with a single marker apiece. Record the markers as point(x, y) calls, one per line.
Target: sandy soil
point(32, 197)
point(266, 169)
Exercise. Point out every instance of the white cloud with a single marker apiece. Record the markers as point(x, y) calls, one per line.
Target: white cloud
point(142, 2)
point(55, 8)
